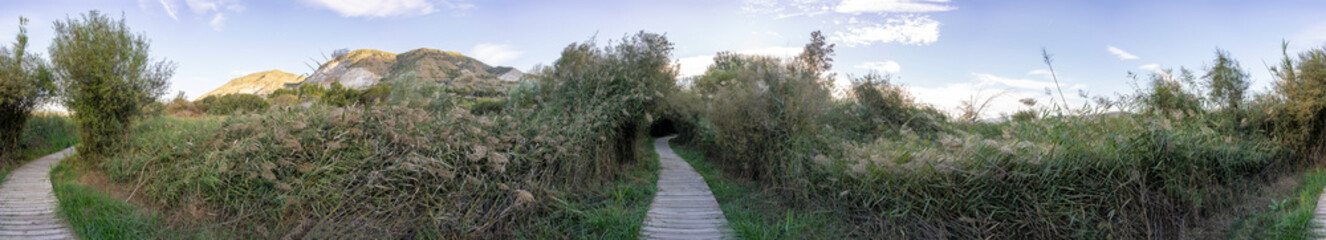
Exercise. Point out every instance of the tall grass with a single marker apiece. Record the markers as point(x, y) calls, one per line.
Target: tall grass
point(43, 134)
point(399, 171)
point(880, 161)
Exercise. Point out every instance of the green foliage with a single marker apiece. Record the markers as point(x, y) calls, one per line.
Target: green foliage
point(181, 106)
point(105, 75)
point(882, 107)
point(621, 86)
point(232, 103)
point(1301, 120)
point(762, 111)
point(43, 134)
point(1169, 93)
point(1121, 177)
point(1226, 80)
point(25, 82)
point(93, 215)
point(484, 106)
point(1287, 218)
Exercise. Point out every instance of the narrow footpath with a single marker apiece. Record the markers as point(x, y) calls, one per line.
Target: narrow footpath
point(683, 208)
point(1319, 217)
point(28, 204)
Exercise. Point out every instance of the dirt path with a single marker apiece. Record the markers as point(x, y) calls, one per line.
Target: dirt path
point(683, 208)
point(27, 202)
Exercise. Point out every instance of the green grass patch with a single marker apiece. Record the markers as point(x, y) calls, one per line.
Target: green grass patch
point(44, 134)
point(1285, 218)
point(93, 214)
point(757, 214)
point(616, 213)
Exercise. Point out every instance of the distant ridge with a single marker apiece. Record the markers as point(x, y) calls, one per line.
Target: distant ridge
point(260, 83)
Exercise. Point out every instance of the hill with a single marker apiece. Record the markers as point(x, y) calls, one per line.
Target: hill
point(261, 83)
point(362, 68)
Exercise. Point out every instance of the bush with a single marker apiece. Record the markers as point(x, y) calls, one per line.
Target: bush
point(25, 82)
point(232, 103)
point(882, 107)
point(1168, 93)
point(104, 102)
point(485, 106)
point(1301, 85)
point(620, 85)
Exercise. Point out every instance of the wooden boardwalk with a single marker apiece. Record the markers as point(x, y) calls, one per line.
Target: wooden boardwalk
point(683, 208)
point(28, 204)
point(1319, 217)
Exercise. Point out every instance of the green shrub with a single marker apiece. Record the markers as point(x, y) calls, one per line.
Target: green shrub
point(232, 103)
point(25, 82)
point(621, 85)
point(105, 75)
point(1301, 85)
point(484, 106)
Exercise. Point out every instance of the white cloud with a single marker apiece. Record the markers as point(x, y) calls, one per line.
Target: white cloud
point(495, 54)
point(1152, 67)
point(1120, 53)
point(1041, 72)
point(169, 5)
point(218, 21)
point(950, 96)
point(217, 8)
point(387, 8)
point(882, 67)
point(696, 65)
point(891, 6)
point(908, 29)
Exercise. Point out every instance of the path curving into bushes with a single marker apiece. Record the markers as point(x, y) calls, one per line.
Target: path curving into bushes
point(28, 203)
point(683, 207)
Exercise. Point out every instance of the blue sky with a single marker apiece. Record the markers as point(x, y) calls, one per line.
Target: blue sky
point(943, 51)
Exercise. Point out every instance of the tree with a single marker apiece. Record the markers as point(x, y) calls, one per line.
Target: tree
point(24, 83)
point(1226, 80)
point(105, 75)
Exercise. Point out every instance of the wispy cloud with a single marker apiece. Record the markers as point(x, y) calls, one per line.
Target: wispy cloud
point(1041, 72)
point(696, 65)
point(909, 29)
point(218, 21)
point(495, 54)
point(169, 6)
point(950, 96)
point(892, 6)
point(883, 67)
point(388, 8)
point(863, 22)
point(218, 9)
point(1123, 55)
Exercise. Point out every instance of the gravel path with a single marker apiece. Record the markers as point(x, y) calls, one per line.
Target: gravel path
point(683, 208)
point(27, 202)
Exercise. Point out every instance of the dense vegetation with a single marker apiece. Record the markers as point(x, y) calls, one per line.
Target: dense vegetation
point(104, 75)
point(402, 170)
point(564, 153)
point(25, 82)
point(897, 169)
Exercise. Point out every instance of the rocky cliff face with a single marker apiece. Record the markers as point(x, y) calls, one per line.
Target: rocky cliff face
point(261, 83)
point(358, 69)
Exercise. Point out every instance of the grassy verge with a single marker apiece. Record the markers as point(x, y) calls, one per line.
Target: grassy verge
point(44, 134)
point(617, 213)
point(1286, 218)
point(93, 214)
point(757, 214)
